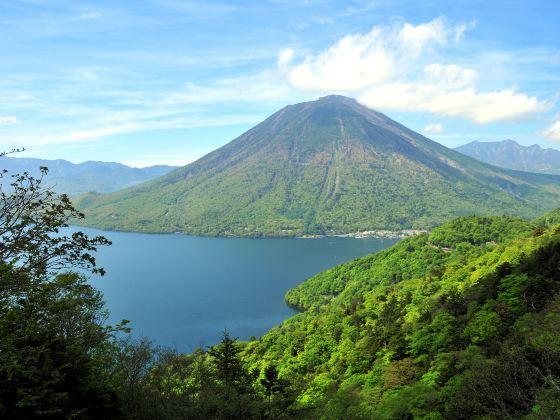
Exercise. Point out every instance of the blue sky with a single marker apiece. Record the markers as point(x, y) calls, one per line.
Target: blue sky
point(165, 81)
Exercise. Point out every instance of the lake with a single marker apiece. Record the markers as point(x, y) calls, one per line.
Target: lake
point(183, 291)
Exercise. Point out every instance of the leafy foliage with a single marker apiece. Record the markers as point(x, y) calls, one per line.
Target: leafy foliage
point(462, 322)
point(51, 352)
point(550, 218)
point(30, 221)
point(58, 358)
point(159, 383)
point(458, 323)
point(53, 347)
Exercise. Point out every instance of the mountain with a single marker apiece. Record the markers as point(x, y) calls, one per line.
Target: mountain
point(510, 154)
point(327, 166)
point(70, 178)
point(459, 323)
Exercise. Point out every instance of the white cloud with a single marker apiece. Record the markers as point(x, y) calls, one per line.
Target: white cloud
point(285, 57)
point(386, 69)
point(117, 118)
point(481, 108)
point(433, 128)
point(553, 132)
point(415, 39)
point(355, 62)
point(485, 107)
point(8, 120)
point(322, 20)
point(103, 126)
point(361, 60)
point(64, 121)
point(450, 75)
point(460, 31)
point(264, 86)
point(89, 15)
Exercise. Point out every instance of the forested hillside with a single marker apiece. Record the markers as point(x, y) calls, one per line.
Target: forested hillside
point(326, 166)
point(462, 322)
point(459, 323)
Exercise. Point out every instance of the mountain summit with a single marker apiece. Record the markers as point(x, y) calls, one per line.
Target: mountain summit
point(327, 166)
point(512, 155)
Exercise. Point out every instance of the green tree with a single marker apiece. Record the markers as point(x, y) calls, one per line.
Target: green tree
point(31, 218)
point(271, 383)
point(235, 389)
point(227, 360)
point(53, 352)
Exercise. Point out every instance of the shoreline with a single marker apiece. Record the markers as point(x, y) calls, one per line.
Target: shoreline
point(377, 233)
point(380, 233)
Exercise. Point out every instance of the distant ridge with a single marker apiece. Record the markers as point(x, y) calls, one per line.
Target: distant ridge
point(72, 178)
point(512, 155)
point(326, 166)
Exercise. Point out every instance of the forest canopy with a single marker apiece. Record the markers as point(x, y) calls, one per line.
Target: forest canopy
point(460, 322)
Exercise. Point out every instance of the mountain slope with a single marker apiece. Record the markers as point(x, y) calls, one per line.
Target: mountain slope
point(70, 178)
point(459, 323)
point(326, 166)
point(509, 154)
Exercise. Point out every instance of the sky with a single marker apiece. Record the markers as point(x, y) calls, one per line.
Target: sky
point(146, 82)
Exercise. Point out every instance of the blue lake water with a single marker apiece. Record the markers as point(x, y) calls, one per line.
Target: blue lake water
point(183, 291)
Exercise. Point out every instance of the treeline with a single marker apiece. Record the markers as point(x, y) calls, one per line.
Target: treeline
point(214, 384)
point(459, 323)
point(59, 359)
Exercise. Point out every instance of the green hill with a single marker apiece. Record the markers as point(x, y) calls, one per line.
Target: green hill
point(460, 323)
point(328, 166)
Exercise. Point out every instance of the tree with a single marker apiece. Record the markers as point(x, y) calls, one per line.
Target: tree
point(274, 388)
point(53, 352)
point(227, 360)
point(235, 391)
point(270, 381)
point(31, 217)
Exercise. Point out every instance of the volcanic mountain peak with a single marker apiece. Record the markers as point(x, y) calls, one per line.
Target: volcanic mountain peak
point(326, 166)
